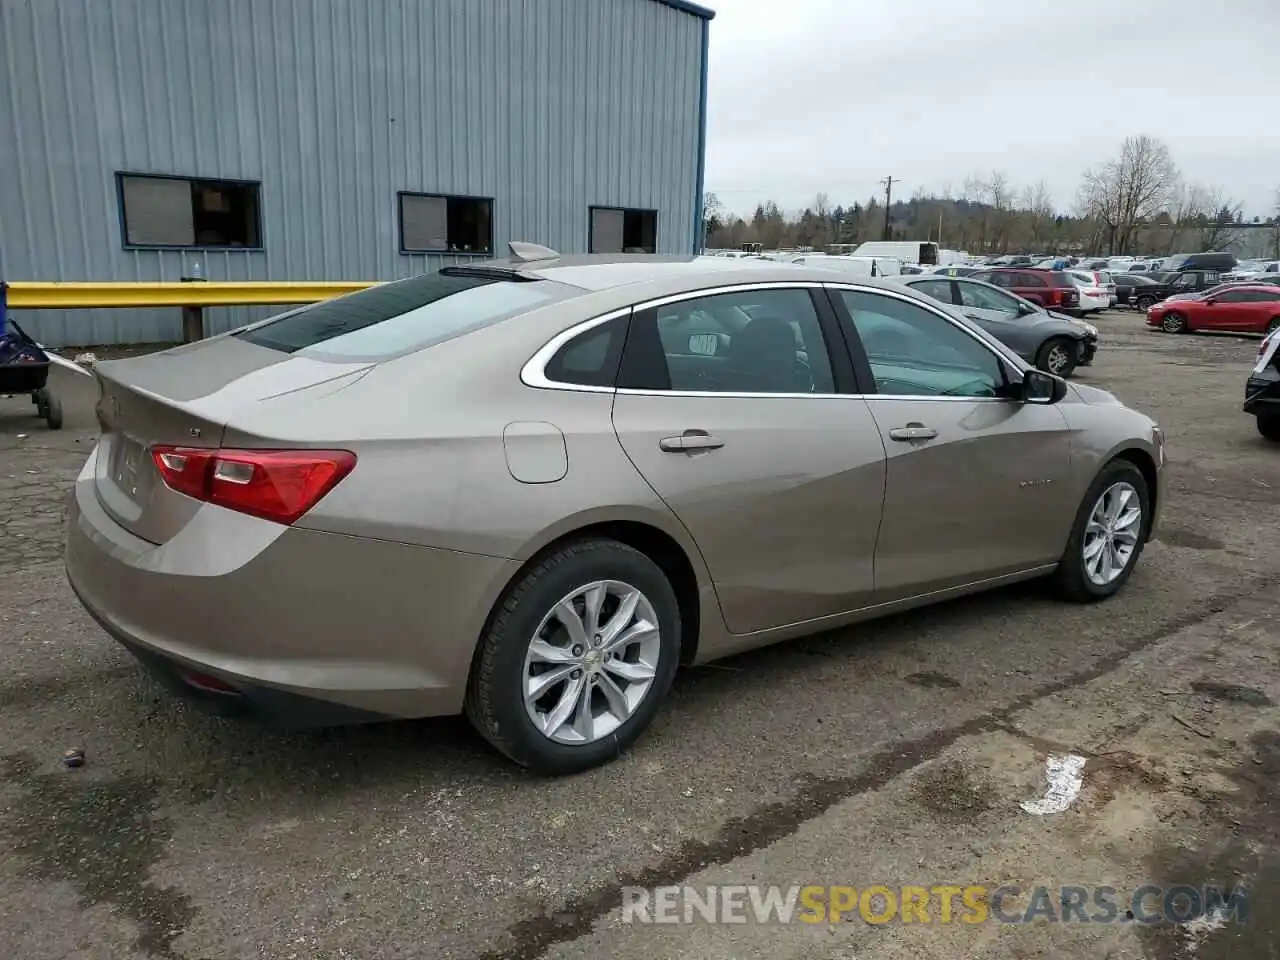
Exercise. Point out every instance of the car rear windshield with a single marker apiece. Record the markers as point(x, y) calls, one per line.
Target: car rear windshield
point(403, 316)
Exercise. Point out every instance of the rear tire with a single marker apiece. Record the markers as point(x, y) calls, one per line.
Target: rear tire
point(1072, 580)
point(1146, 303)
point(1174, 323)
point(1057, 355)
point(53, 412)
point(1273, 326)
point(496, 701)
point(1269, 427)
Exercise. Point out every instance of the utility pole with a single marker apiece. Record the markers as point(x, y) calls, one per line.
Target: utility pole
point(888, 201)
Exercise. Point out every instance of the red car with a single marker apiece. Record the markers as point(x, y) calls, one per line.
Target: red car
point(1051, 289)
point(1243, 308)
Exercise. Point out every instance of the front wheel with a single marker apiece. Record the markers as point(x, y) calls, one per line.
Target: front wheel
point(1174, 323)
point(1057, 356)
point(576, 658)
point(1269, 426)
point(1107, 538)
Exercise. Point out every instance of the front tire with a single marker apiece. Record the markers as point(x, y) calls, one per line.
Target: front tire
point(1269, 426)
point(1174, 323)
point(576, 658)
point(1057, 356)
point(1108, 535)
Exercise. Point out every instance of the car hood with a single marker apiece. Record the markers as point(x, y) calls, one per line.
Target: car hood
point(1093, 396)
point(1075, 325)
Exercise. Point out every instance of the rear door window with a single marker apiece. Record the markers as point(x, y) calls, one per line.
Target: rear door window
point(396, 318)
point(940, 290)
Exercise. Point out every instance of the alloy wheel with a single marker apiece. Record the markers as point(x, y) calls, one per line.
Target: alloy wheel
point(1173, 323)
point(591, 662)
point(1112, 534)
point(1057, 359)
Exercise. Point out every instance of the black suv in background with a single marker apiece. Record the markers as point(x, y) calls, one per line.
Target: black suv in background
point(1164, 284)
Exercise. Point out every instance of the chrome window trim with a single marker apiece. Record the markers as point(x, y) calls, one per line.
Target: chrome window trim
point(533, 373)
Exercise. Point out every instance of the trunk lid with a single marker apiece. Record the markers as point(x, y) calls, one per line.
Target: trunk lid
point(185, 397)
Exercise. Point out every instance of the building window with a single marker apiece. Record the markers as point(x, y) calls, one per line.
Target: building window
point(163, 211)
point(434, 223)
point(617, 230)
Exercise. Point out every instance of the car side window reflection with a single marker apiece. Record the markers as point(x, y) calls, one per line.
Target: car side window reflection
point(755, 341)
point(914, 352)
point(982, 298)
point(940, 290)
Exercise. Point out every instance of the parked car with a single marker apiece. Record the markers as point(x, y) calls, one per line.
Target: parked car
point(1094, 297)
point(1050, 341)
point(1238, 307)
point(1217, 262)
point(1184, 284)
point(1137, 290)
point(585, 491)
point(1262, 391)
point(1052, 289)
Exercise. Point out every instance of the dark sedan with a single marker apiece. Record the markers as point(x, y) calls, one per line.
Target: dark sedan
point(1053, 342)
point(1262, 391)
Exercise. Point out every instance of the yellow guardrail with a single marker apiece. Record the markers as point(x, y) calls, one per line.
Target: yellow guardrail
point(31, 295)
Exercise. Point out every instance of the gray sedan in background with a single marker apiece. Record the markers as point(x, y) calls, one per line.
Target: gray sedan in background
point(1052, 341)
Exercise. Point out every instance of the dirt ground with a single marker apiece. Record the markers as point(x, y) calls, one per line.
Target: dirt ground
point(895, 754)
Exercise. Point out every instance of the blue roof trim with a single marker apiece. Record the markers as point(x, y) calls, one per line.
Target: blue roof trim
point(686, 7)
point(699, 238)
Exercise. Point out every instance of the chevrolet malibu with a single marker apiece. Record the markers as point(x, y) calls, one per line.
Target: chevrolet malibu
point(528, 489)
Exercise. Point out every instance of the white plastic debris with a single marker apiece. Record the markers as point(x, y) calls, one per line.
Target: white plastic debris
point(1064, 777)
point(87, 357)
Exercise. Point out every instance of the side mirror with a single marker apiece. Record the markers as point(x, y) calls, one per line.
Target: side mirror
point(1026, 310)
point(1211, 301)
point(1041, 387)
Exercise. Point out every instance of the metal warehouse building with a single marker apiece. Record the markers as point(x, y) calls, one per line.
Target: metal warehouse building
point(336, 140)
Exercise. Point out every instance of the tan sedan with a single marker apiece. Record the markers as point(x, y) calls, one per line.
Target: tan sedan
point(528, 489)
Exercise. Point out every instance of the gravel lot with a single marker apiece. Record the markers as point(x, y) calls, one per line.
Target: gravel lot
point(896, 753)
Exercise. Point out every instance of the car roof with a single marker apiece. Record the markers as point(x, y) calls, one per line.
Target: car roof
point(602, 272)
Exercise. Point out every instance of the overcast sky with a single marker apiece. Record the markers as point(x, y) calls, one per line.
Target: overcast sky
point(833, 95)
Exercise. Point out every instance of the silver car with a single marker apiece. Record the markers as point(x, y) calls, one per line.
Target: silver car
point(528, 489)
point(1051, 341)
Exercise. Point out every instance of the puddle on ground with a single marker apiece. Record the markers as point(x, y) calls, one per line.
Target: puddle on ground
point(1176, 537)
point(99, 835)
point(1232, 693)
point(933, 680)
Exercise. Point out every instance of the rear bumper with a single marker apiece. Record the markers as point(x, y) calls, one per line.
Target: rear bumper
point(303, 627)
point(1262, 396)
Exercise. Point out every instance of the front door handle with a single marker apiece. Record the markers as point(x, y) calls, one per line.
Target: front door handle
point(913, 431)
point(691, 441)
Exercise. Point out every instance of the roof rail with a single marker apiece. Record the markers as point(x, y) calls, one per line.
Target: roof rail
point(521, 250)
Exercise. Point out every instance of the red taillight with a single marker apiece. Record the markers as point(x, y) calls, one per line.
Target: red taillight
point(279, 485)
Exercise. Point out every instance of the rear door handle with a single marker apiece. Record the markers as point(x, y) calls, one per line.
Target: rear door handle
point(690, 442)
point(913, 431)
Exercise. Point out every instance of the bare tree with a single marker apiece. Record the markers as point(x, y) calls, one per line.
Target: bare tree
point(1275, 227)
point(1038, 204)
point(1219, 216)
point(1130, 190)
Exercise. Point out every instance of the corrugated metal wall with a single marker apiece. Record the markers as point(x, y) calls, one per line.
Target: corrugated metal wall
point(547, 106)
